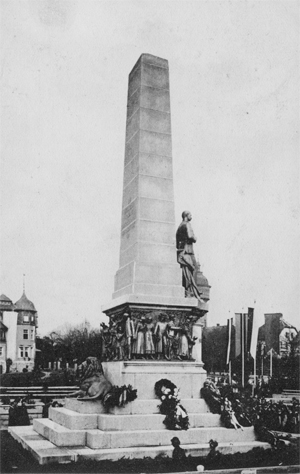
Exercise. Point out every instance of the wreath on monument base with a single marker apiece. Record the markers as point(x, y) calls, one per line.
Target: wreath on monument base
point(120, 396)
point(176, 415)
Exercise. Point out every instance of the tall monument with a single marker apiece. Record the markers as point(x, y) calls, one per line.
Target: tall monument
point(148, 300)
point(149, 275)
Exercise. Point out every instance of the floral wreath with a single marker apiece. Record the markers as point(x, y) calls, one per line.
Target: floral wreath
point(120, 396)
point(176, 416)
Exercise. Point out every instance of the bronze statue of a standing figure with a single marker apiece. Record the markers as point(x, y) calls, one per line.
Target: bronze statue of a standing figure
point(185, 239)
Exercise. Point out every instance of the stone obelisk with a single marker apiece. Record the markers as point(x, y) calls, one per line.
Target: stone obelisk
point(148, 271)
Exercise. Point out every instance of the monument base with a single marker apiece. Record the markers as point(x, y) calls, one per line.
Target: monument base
point(86, 430)
point(143, 374)
point(145, 304)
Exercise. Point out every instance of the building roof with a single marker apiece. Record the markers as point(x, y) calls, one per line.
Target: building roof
point(284, 324)
point(5, 298)
point(3, 327)
point(6, 304)
point(23, 304)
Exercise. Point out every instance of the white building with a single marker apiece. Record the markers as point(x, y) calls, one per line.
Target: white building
point(18, 323)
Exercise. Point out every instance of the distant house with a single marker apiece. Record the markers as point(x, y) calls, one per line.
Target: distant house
point(18, 323)
point(277, 334)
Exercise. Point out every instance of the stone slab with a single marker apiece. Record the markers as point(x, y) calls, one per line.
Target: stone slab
point(153, 98)
point(160, 188)
point(132, 422)
point(153, 60)
point(155, 76)
point(141, 407)
point(164, 275)
point(115, 439)
point(143, 374)
point(151, 142)
point(46, 452)
point(134, 80)
point(72, 419)
point(157, 166)
point(86, 407)
point(153, 209)
point(157, 232)
point(133, 103)
point(41, 449)
point(59, 435)
point(153, 290)
point(155, 120)
point(154, 451)
point(156, 302)
point(132, 148)
point(133, 124)
point(130, 192)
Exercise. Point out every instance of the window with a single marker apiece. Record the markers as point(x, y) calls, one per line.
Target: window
point(26, 352)
point(21, 351)
point(1, 351)
point(32, 334)
point(25, 333)
point(25, 319)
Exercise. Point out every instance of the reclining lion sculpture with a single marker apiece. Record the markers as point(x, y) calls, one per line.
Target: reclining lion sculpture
point(93, 384)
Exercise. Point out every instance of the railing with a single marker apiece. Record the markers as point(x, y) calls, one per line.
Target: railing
point(35, 411)
point(37, 392)
point(40, 395)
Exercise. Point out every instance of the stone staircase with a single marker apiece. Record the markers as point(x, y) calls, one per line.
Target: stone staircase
point(83, 430)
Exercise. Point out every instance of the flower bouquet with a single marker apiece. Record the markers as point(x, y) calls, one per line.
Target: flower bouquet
point(176, 415)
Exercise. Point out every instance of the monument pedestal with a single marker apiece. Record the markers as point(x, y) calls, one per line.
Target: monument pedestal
point(86, 430)
point(143, 374)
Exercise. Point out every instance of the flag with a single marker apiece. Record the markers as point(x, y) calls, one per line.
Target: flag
point(243, 332)
point(238, 334)
point(254, 338)
point(249, 330)
point(229, 337)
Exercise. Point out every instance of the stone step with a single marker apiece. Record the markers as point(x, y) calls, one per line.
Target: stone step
point(58, 434)
point(46, 452)
point(43, 450)
point(199, 450)
point(88, 407)
point(73, 420)
point(97, 439)
point(192, 405)
point(152, 422)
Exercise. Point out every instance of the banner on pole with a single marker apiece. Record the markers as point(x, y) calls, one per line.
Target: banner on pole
point(243, 332)
point(229, 338)
point(238, 334)
point(254, 338)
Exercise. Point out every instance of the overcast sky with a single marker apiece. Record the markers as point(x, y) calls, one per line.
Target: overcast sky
point(235, 130)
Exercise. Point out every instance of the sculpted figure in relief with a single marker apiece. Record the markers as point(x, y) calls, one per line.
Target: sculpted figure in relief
point(160, 336)
point(149, 342)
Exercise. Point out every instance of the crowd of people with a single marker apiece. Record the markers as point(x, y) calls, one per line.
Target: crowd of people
point(246, 408)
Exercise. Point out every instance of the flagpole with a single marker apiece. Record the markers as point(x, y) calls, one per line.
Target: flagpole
point(271, 362)
point(243, 351)
point(230, 378)
point(254, 370)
